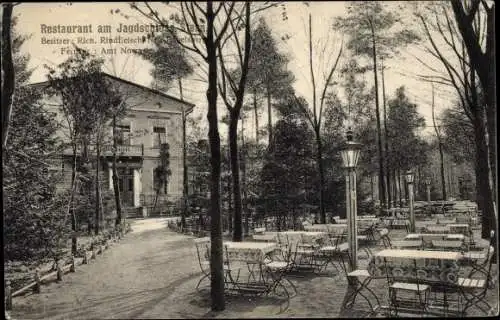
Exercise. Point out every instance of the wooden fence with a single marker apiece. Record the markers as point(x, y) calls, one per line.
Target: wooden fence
point(96, 247)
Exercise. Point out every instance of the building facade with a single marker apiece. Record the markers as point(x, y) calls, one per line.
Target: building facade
point(152, 119)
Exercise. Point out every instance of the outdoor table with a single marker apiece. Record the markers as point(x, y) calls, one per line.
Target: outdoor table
point(309, 237)
point(432, 266)
point(445, 221)
point(248, 251)
point(437, 229)
point(428, 237)
point(264, 237)
point(341, 221)
point(330, 228)
point(254, 254)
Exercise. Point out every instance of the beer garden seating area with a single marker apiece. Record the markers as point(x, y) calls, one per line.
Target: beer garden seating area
point(443, 269)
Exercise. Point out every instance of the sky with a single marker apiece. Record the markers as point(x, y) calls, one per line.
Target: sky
point(33, 18)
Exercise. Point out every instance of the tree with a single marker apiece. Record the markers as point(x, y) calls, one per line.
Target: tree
point(440, 146)
point(408, 150)
point(237, 87)
point(35, 214)
point(458, 135)
point(287, 168)
point(315, 116)
point(267, 73)
point(8, 73)
point(372, 34)
point(460, 75)
point(482, 58)
point(88, 103)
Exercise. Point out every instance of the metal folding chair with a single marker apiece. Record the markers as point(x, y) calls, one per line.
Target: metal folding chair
point(474, 291)
point(359, 280)
point(203, 254)
point(412, 285)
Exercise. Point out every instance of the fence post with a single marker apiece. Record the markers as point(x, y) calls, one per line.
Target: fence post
point(36, 288)
point(73, 264)
point(85, 261)
point(8, 296)
point(59, 270)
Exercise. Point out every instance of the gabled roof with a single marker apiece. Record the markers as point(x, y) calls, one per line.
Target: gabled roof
point(189, 104)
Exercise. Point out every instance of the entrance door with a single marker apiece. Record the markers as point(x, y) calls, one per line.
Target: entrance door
point(126, 185)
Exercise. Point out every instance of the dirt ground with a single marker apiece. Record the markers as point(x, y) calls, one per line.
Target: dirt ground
point(152, 273)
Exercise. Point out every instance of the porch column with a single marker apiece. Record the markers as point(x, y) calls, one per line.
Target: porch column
point(110, 175)
point(137, 188)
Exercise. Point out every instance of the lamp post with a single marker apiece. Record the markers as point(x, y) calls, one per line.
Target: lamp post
point(428, 187)
point(350, 155)
point(409, 180)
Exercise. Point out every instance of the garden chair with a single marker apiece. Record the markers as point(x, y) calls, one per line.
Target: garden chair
point(414, 293)
point(203, 254)
point(329, 252)
point(232, 267)
point(480, 265)
point(278, 268)
point(359, 280)
point(474, 290)
point(303, 256)
point(385, 239)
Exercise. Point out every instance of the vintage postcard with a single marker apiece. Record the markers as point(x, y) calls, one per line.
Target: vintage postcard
point(331, 159)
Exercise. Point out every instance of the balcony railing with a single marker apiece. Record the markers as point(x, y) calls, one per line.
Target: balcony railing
point(107, 150)
point(124, 150)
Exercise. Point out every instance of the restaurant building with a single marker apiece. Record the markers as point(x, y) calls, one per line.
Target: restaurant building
point(152, 119)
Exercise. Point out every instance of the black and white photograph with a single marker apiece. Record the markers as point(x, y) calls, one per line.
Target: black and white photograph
point(249, 159)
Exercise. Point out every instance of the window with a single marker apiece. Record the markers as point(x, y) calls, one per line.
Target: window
point(123, 134)
point(159, 136)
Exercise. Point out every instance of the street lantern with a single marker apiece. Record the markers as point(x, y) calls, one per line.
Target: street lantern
point(350, 153)
point(350, 156)
point(409, 179)
point(409, 176)
point(428, 182)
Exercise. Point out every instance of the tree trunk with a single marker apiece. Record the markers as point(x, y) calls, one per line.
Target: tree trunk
point(485, 193)
point(235, 173)
point(319, 161)
point(88, 185)
point(269, 115)
point(256, 114)
point(97, 191)
point(185, 186)
point(244, 176)
point(74, 240)
point(116, 187)
point(403, 190)
point(216, 257)
point(381, 179)
point(386, 142)
point(8, 76)
point(371, 188)
point(229, 205)
point(440, 145)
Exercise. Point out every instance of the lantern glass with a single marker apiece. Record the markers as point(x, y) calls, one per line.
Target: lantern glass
point(409, 176)
point(350, 154)
point(428, 181)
